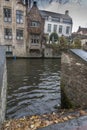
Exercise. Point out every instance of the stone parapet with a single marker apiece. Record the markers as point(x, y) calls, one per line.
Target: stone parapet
point(74, 78)
point(3, 83)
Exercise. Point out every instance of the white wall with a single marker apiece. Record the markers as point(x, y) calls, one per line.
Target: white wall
point(58, 24)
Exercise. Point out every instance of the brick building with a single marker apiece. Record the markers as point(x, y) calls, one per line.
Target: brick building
point(35, 26)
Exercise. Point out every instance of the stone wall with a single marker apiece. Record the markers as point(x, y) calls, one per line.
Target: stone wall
point(74, 80)
point(3, 84)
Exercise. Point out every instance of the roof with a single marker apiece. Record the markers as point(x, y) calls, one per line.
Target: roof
point(83, 30)
point(80, 53)
point(55, 15)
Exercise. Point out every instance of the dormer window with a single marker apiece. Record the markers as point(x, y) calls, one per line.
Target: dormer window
point(35, 24)
point(50, 18)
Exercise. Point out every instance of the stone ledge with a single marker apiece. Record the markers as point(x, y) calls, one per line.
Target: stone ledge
point(76, 124)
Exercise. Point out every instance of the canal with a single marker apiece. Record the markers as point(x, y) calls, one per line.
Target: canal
point(33, 87)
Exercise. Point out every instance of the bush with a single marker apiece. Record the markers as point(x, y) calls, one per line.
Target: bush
point(53, 37)
point(63, 43)
point(77, 43)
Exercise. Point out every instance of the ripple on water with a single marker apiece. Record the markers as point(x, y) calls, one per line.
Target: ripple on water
point(34, 87)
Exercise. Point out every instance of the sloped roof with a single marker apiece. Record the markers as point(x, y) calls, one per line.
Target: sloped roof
point(80, 53)
point(55, 15)
point(83, 30)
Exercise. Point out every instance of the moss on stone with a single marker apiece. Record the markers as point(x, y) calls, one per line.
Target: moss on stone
point(65, 101)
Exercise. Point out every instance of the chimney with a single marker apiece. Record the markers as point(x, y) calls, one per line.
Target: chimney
point(67, 12)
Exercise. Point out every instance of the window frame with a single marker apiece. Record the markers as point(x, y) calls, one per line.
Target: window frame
point(7, 15)
point(67, 29)
point(35, 39)
point(19, 17)
point(18, 34)
point(35, 24)
point(8, 33)
point(7, 0)
point(55, 28)
point(49, 27)
point(9, 49)
point(60, 29)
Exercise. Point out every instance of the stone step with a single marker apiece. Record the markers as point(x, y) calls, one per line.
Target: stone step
point(76, 124)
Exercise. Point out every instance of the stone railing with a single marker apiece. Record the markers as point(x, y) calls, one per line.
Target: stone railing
point(3, 84)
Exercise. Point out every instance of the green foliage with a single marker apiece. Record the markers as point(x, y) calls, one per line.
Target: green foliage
point(53, 37)
point(77, 43)
point(63, 43)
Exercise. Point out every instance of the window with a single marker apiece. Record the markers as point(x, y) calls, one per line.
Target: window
point(56, 19)
point(7, 15)
point(49, 18)
point(67, 29)
point(46, 17)
point(35, 24)
point(19, 34)
point(35, 39)
point(8, 33)
point(60, 29)
point(67, 21)
point(19, 16)
point(49, 28)
point(55, 28)
point(8, 50)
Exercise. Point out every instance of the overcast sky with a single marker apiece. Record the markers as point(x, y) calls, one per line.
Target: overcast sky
point(85, 1)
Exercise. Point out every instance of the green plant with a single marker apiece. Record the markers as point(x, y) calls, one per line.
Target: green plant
point(63, 43)
point(53, 37)
point(77, 43)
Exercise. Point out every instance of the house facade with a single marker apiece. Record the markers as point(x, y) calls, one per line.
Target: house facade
point(81, 34)
point(59, 23)
point(82, 31)
point(22, 28)
point(13, 27)
point(35, 28)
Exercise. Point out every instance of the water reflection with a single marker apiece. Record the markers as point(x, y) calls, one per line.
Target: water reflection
point(33, 87)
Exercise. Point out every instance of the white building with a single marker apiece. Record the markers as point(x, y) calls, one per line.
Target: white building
point(59, 23)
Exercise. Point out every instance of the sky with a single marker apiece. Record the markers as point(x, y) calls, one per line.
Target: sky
point(84, 1)
point(76, 11)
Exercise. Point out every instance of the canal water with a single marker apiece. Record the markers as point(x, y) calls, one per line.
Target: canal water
point(33, 87)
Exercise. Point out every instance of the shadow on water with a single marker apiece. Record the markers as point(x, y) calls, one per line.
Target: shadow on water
point(33, 87)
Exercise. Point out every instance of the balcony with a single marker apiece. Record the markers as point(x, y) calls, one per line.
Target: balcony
point(35, 47)
point(35, 30)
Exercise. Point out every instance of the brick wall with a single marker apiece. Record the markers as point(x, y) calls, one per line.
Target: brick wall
point(74, 79)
